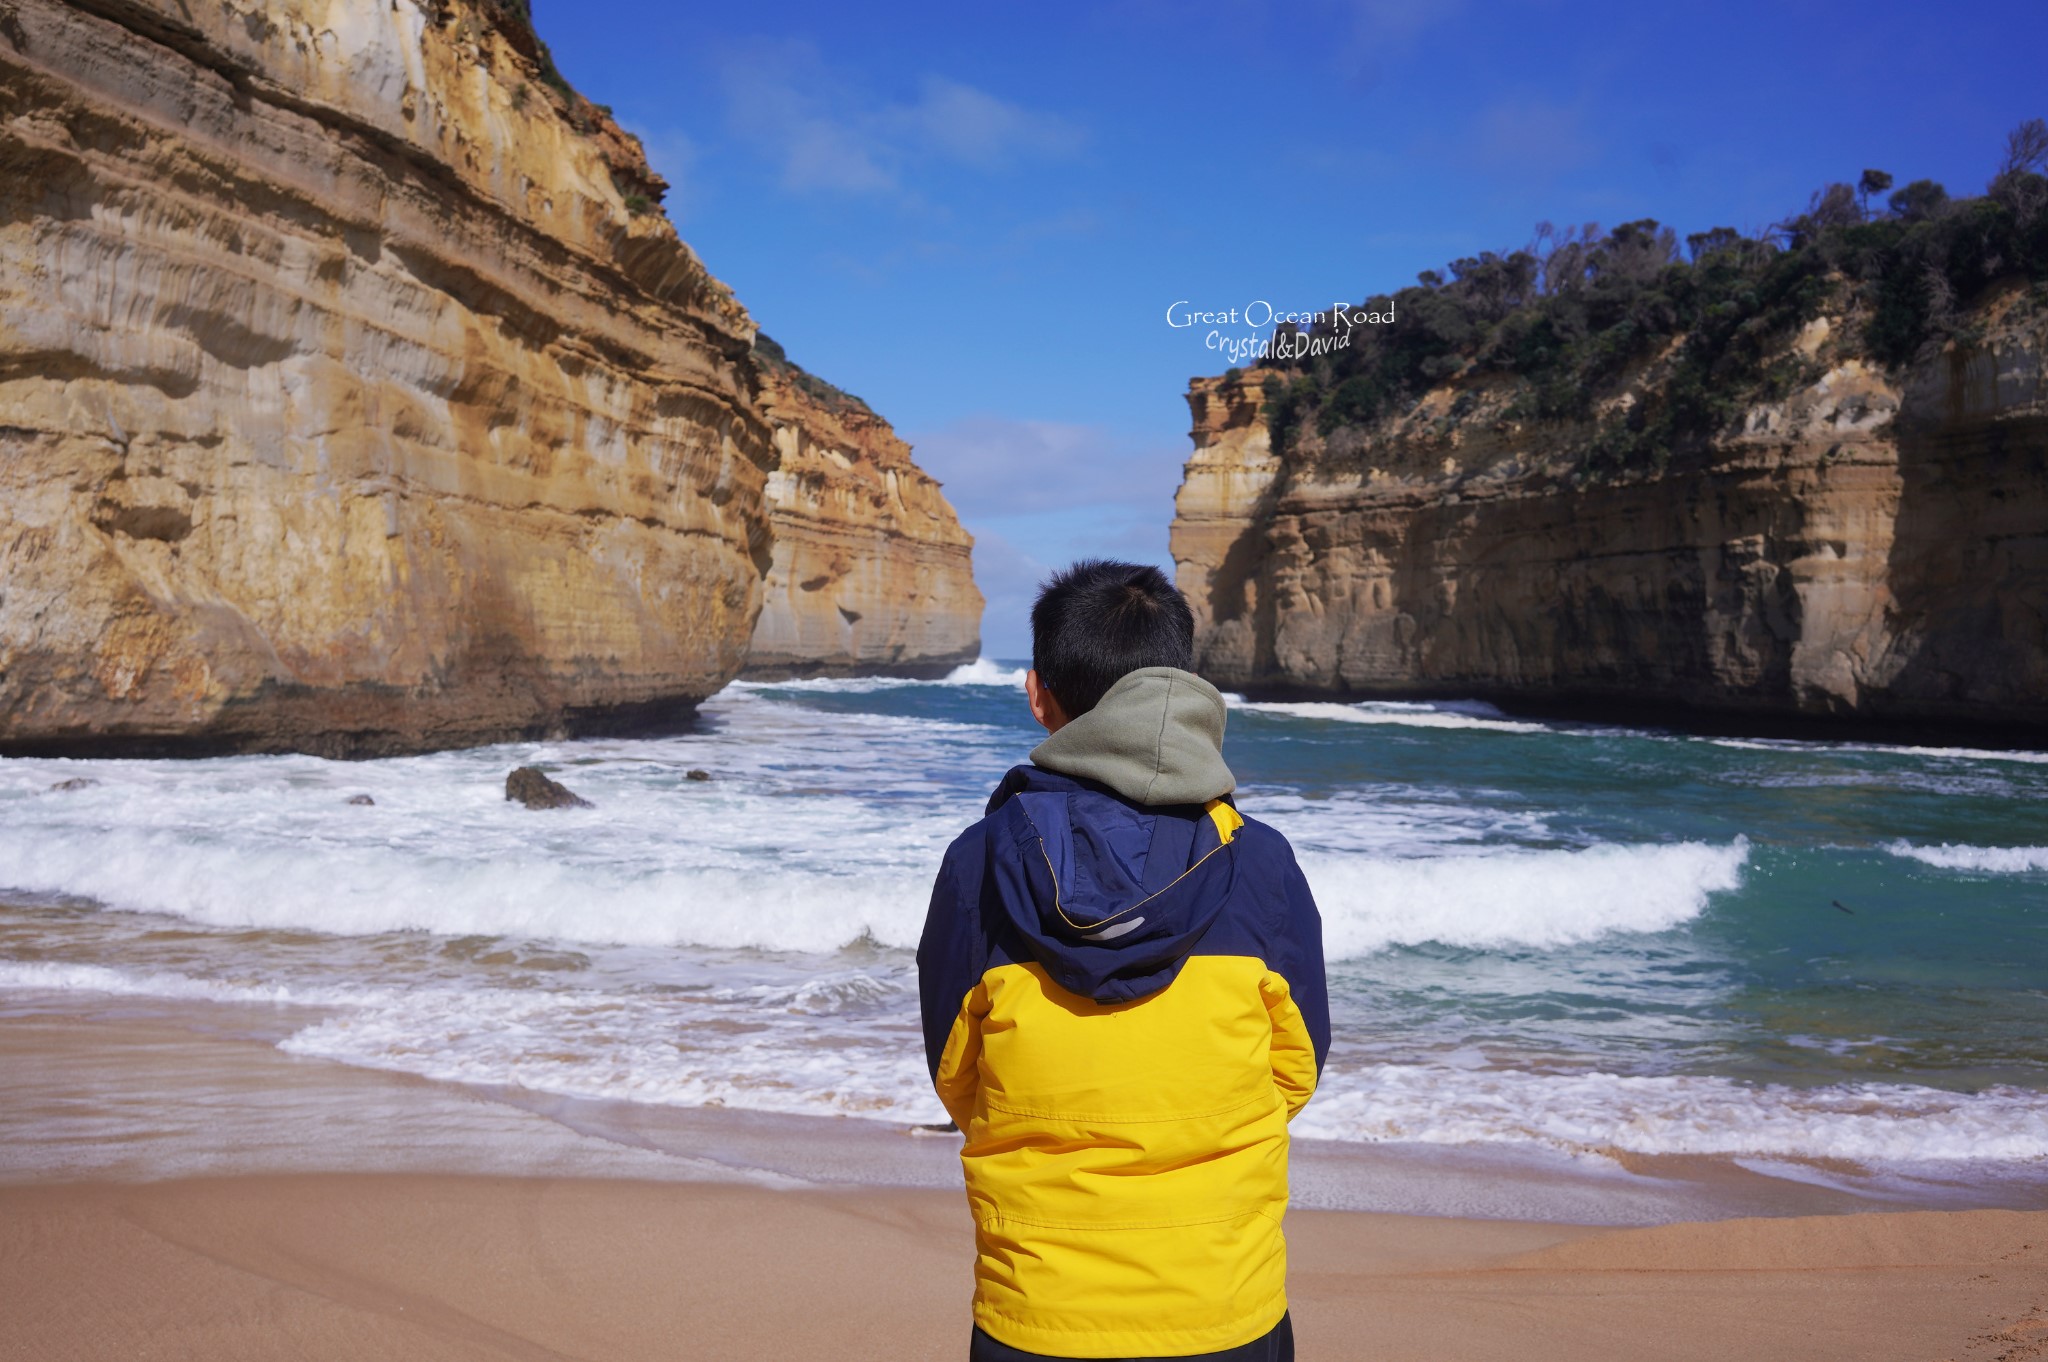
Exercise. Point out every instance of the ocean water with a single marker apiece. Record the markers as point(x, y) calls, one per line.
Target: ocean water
point(1825, 961)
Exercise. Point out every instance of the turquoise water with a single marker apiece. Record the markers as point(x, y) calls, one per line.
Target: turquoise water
point(1837, 954)
point(1552, 938)
point(1888, 922)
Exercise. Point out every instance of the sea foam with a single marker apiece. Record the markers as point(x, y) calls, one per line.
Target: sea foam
point(1515, 898)
point(763, 1049)
point(1486, 900)
point(1396, 713)
point(1797, 747)
point(1676, 1114)
point(1984, 860)
point(67, 977)
point(980, 672)
point(363, 890)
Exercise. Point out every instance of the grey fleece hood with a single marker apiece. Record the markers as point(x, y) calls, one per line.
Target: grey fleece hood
point(1155, 738)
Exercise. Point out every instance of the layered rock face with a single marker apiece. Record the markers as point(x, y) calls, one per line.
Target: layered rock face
point(351, 400)
point(1872, 550)
point(872, 574)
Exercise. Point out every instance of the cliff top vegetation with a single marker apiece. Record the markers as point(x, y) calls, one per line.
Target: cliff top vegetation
point(1572, 313)
point(769, 353)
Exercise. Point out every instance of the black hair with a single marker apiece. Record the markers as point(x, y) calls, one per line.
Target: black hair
point(1098, 621)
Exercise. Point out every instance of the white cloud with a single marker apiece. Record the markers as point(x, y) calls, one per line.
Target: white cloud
point(1530, 138)
point(828, 134)
point(994, 465)
point(1014, 555)
point(974, 128)
point(1383, 33)
point(1038, 495)
point(1008, 578)
point(674, 157)
point(1400, 20)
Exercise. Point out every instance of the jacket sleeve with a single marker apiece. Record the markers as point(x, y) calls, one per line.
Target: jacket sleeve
point(1297, 993)
point(951, 956)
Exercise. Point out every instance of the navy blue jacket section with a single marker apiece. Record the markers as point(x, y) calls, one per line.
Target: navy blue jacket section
point(1111, 897)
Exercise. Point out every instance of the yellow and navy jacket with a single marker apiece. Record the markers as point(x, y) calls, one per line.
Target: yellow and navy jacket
point(1123, 1003)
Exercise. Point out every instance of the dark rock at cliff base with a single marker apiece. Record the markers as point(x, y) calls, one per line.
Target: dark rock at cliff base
point(75, 783)
point(363, 800)
point(697, 775)
point(533, 789)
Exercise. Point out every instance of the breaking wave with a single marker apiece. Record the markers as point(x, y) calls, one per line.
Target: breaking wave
point(1516, 898)
point(1984, 860)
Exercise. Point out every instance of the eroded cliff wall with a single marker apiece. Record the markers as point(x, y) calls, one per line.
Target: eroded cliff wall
point(1871, 549)
point(351, 400)
point(872, 573)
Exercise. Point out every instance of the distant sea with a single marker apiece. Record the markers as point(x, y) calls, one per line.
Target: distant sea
point(1820, 962)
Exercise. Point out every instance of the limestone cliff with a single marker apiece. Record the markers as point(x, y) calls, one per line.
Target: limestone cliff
point(1870, 547)
point(872, 572)
point(352, 397)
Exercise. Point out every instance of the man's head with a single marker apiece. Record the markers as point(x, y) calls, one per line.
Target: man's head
point(1094, 624)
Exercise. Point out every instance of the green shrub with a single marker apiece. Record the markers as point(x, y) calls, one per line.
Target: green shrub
point(1570, 315)
point(1357, 401)
point(771, 355)
point(1285, 404)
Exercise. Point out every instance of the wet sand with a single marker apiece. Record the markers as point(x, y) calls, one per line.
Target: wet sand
point(147, 1090)
point(172, 1186)
point(353, 1266)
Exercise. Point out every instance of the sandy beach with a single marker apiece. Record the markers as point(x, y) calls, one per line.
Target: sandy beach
point(429, 1267)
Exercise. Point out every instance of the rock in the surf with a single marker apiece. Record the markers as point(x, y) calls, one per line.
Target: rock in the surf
point(696, 775)
point(363, 800)
point(531, 787)
point(75, 783)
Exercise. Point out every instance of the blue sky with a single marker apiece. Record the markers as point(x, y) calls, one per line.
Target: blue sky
point(976, 217)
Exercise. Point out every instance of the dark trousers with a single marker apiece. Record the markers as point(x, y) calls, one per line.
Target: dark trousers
point(1275, 1346)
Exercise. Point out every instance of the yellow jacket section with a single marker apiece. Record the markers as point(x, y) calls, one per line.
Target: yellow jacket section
point(1127, 1163)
